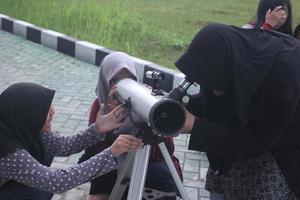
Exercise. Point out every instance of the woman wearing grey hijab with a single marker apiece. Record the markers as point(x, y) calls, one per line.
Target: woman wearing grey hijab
point(114, 67)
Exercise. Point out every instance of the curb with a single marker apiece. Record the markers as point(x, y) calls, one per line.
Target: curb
point(85, 51)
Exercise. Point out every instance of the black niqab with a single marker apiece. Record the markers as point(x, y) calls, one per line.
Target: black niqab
point(23, 110)
point(236, 60)
point(207, 63)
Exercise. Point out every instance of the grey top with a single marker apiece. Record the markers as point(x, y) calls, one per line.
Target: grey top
point(20, 166)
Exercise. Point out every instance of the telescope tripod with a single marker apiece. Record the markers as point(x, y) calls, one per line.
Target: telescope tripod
point(134, 171)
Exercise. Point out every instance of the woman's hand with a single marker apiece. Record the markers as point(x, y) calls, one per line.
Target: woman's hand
point(125, 143)
point(112, 102)
point(189, 122)
point(111, 121)
point(277, 17)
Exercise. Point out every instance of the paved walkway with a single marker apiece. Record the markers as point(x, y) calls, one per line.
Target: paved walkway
point(74, 82)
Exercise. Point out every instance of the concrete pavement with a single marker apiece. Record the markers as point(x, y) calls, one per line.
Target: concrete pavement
point(74, 82)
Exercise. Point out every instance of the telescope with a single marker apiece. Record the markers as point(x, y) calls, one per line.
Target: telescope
point(158, 113)
point(164, 115)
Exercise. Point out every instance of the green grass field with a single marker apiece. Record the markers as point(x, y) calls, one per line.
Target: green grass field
point(155, 30)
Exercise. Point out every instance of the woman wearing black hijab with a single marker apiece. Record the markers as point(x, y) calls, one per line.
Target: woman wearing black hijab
point(28, 146)
point(246, 116)
point(273, 15)
point(284, 22)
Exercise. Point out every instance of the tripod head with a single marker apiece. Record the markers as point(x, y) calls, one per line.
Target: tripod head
point(147, 135)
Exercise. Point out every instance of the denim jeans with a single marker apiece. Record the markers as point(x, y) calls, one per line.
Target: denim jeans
point(216, 196)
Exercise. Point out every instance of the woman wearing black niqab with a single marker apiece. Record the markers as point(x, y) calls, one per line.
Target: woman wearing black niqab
point(250, 131)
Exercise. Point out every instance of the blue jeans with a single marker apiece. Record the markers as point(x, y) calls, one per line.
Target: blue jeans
point(160, 178)
point(216, 196)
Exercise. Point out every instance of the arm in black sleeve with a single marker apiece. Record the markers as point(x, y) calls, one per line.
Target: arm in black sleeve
point(220, 139)
point(263, 133)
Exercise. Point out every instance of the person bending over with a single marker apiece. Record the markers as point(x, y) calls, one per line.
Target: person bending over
point(246, 115)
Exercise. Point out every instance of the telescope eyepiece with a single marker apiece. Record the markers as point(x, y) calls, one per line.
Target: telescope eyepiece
point(179, 93)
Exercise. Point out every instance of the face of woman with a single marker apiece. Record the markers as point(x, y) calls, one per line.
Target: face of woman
point(112, 102)
point(48, 123)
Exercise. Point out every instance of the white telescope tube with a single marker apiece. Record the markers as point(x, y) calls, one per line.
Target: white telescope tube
point(165, 116)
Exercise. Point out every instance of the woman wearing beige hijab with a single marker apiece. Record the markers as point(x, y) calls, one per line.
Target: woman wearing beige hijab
point(116, 66)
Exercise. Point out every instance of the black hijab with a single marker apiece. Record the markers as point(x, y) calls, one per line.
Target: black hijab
point(265, 5)
point(23, 110)
point(239, 61)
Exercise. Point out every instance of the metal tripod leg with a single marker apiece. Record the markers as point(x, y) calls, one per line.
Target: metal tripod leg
point(133, 170)
point(139, 172)
point(165, 153)
point(124, 176)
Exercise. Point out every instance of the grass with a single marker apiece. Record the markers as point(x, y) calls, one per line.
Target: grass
point(155, 30)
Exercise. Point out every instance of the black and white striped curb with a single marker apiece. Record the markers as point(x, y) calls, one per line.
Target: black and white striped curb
point(84, 51)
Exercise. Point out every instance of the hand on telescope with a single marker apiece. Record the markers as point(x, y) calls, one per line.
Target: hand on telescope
point(111, 121)
point(125, 143)
point(112, 102)
point(189, 122)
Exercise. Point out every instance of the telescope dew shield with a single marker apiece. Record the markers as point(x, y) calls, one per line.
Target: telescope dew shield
point(165, 116)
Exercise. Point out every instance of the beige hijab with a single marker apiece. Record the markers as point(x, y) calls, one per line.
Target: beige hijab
point(111, 65)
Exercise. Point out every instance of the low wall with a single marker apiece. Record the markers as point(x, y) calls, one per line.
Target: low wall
point(85, 51)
